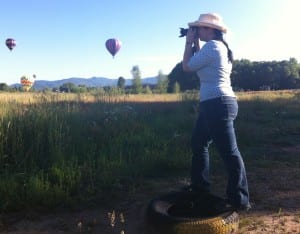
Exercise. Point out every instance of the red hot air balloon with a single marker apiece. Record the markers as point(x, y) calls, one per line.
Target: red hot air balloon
point(27, 82)
point(113, 46)
point(10, 43)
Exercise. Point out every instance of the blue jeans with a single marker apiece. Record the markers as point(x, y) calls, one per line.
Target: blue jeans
point(215, 124)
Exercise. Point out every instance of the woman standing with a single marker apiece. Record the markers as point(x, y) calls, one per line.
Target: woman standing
point(218, 109)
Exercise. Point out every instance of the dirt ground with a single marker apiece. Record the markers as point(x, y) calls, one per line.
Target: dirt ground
point(277, 213)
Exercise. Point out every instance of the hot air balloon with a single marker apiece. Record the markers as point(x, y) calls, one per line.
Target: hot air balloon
point(113, 46)
point(27, 82)
point(10, 43)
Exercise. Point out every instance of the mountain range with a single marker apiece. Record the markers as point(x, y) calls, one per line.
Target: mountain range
point(88, 82)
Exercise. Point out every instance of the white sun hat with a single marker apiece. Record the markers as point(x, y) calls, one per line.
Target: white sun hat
point(211, 20)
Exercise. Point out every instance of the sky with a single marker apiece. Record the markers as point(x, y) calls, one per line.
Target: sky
point(58, 39)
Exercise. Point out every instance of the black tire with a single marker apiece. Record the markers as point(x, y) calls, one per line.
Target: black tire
point(172, 214)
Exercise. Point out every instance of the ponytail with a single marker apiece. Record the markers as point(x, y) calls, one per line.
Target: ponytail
point(219, 36)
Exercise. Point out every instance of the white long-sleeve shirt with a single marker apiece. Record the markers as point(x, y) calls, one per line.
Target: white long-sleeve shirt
point(213, 68)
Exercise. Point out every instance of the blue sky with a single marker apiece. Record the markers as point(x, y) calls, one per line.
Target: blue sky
point(58, 39)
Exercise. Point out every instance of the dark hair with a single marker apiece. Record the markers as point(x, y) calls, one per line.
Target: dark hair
point(219, 37)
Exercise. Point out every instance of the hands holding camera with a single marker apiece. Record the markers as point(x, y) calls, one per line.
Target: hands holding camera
point(191, 35)
point(192, 44)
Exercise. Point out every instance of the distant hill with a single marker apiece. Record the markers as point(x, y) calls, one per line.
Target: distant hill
point(88, 82)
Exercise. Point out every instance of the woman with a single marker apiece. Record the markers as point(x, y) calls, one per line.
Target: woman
point(218, 109)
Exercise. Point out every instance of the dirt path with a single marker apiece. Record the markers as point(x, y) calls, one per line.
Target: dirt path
point(128, 216)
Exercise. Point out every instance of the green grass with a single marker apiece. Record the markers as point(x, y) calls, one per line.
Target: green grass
point(57, 152)
point(267, 124)
point(71, 152)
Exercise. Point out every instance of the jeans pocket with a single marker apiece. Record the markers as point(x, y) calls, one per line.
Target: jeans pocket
point(232, 111)
point(229, 108)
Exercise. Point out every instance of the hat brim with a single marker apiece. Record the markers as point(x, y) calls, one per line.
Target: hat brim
point(222, 28)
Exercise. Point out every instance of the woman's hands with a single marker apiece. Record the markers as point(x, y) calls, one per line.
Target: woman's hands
point(191, 35)
point(192, 45)
point(192, 38)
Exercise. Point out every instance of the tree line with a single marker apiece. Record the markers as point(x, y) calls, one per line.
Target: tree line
point(246, 75)
point(271, 75)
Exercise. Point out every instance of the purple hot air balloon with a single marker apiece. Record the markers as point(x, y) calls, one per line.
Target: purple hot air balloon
point(10, 43)
point(113, 46)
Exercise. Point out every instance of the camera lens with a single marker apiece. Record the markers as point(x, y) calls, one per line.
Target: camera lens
point(183, 32)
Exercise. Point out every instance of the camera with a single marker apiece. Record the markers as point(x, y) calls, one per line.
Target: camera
point(183, 31)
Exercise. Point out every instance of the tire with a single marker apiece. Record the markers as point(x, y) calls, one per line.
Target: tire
point(172, 214)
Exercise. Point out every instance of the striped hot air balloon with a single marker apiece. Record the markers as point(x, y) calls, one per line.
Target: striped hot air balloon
point(27, 82)
point(113, 46)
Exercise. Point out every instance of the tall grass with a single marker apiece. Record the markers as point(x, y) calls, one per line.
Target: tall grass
point(268, 121)
point(62, 149)
point(58, 150)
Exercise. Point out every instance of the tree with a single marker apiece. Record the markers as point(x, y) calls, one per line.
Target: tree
point(81, 89)
point(162, 83)
point(176, 88)
point(243, 74)
point(148, 90)
point(4, 87)
point(67, 87)
point(121, 82)
point(186, 80)
point(137, 80)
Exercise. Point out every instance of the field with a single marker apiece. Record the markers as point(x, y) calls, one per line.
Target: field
point(90, 163)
